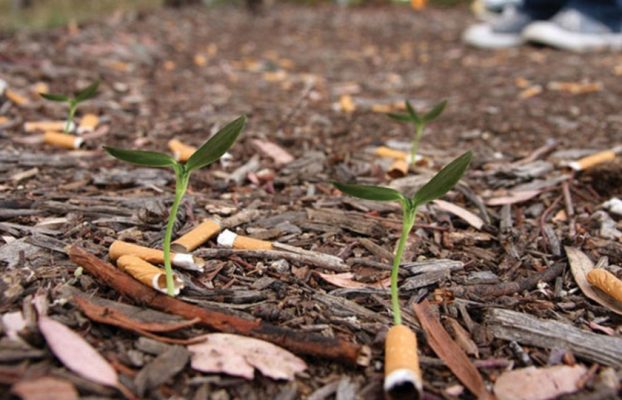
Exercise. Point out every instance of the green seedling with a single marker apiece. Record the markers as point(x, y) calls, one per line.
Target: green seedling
point(436, 187)
point(80, 96)
point(209, 152)
point(420, 122)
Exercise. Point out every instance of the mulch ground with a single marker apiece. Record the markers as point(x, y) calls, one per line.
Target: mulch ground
point(313, 80)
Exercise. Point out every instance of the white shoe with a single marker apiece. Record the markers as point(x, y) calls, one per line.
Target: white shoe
point(504, 31)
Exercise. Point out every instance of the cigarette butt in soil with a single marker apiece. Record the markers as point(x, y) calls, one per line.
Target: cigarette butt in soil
point(148, 274)
point(40, 87)
point(119, 248)
point(387, 152)
point(402, 375)
point(593, 160)
point(88, 123)
point(181, 151)
point(45, 126)
point(3, 120)
point(398, 169)
point(230, 239)
point(16, 98)
point(607, 282)
point(418, 5)
point(62, 140)
point(197, 236)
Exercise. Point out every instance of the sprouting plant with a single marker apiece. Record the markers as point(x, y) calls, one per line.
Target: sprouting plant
point(420, 122)
point(209, 152)
point(440, 184)
point(78, 97)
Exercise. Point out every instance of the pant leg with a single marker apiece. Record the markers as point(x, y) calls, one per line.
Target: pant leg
point(609, 12)
point(543, 9)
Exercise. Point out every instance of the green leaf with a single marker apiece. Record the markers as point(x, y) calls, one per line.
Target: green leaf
point(217, 145)
point(400, 117)
point(54, 97)
point(370, 192)
point(443, 181)
point(435, 112)
point(412, 112)
point(146, 158)
point(87, 93)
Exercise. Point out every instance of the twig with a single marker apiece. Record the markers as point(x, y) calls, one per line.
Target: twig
point(296, 341)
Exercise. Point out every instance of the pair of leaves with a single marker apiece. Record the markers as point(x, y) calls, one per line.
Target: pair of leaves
point(80, 96)
point(440, 184)
point(209, 152)
point(413, 115)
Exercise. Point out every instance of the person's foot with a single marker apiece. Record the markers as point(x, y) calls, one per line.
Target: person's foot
point(576, 31)
point(504, 31)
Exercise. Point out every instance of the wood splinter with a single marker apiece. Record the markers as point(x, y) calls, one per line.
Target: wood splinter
point(230, 239)
point(119, 248)
point(197, 236)
point(402, 374)
point(148, 274)
point(62, 140)
point(607, 282)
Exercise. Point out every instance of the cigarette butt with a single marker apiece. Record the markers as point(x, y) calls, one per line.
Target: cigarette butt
point(346, 104)
point(592, 160)
point(44, 126)
point(398, 169)
point(88, 123)
point(200, 60)
point(16, 98)
point(148, 274)
point(119, 248)
point(230, 239)
point(607, 282)
point(386, 152)
point(3, 120)
point(197, 236)
point(40, 87)
point(418, 5)
point(62, 140)
point(181, 151)
point(402, 375)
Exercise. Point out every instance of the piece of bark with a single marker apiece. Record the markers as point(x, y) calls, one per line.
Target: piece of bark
point(450, 352)
point(354, 222)
point(296, 341)
point(529, 330)
point(161, 369)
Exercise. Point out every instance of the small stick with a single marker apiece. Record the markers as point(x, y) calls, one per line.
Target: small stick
point(296, 341)
point(197, 236)
point(181, 151)
point(62, 140)
point(119, 248)
point(402, 374)
point(607, 282)
point(568, 198)
point(148, 274)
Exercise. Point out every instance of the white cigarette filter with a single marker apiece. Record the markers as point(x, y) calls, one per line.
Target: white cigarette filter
point(62, 140)
point(45, 126)
point(88, 123)
point(197, 236)
point(148, 274)
point(119, 248)
point(181, 151)
point(230, 239)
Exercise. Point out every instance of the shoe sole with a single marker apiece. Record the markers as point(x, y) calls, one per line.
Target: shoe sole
point(482, 36)
point(552, 35)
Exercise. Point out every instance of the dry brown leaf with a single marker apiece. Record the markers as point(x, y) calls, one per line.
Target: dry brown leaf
point(513, 197)
point(274, 151)
point(449, 351)
point(472, 219)
point(345, 280)
point(462, 337)
point(76, 353)
point(45, 388)
point(533, 383)
point(581, 265)
point(240, 356)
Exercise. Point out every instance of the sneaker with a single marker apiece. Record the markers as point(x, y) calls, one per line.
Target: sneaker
point(504, 31)
point(572, 30)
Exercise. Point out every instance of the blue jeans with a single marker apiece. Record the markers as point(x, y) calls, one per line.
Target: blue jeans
point(608, 12)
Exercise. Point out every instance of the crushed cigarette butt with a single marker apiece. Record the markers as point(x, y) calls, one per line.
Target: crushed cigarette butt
point(88, 123)
point(148, 274)
point(607, 282)
point(181, 151)
point(119, 248)
point(62, 140)
point(197, 236)
point(398, 169)
point(230, 239)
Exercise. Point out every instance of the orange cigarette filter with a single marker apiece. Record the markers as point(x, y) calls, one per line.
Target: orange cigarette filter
point(199, 235)
point(119, 248)
point(402, 373)
point(88, 123)
point(62, 140)
point(45, 126)
point(398, 169)
point(592, 160)
point(607, 282)
point(181, 151)
point(148, 274)
point(418, 4)
point(16, 98)
point(384, 151)
point(230, 239)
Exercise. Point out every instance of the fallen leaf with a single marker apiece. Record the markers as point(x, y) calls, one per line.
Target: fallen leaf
point(45, 388)
point(581, 265)
point(472, 219)
point(462, 337)
point(513, 197)
point(450, 352)
point(239, 356)
point(533, 383)
point(345, 280)
point(76, 353)
point(274, 151)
